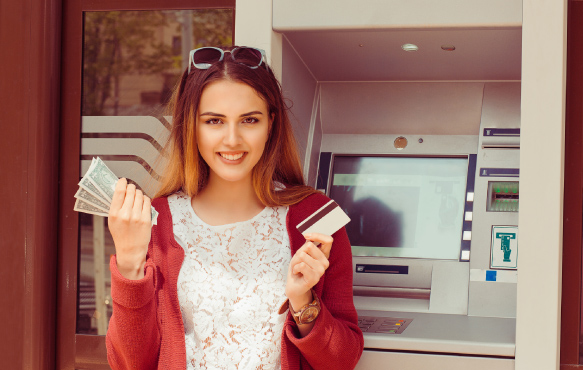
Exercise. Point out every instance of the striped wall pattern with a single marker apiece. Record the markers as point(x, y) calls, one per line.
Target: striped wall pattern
point(131, 146)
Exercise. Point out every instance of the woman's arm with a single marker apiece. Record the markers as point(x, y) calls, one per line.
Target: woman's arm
point(133, 336)
point(335, 341)
point(306, 269)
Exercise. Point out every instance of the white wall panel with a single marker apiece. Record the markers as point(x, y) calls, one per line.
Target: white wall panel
point(429, 108)
point(542, 146)
point(331, 14)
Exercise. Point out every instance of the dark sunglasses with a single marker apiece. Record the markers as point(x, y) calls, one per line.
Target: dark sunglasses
point(203, 58)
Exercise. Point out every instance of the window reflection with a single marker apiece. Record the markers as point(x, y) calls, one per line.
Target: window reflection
point(131, 62)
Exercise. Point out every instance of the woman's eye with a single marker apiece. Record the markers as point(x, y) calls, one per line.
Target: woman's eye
point(250, 120)
point(213, 121)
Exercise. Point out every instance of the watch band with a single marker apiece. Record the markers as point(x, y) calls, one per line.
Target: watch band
point(307, 313)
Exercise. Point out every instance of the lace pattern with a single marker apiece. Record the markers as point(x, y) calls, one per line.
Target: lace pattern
point(230, 286)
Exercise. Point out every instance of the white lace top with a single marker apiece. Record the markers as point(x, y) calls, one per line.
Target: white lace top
point(230, 286)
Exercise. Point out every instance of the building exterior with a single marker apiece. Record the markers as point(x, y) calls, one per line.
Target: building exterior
point(41, 123)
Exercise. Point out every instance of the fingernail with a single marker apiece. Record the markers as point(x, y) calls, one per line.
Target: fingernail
point(307, 235)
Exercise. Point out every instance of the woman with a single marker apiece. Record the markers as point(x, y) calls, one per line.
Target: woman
point(202, 288)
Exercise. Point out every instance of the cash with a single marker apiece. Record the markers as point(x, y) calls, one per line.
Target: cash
point(96, 190)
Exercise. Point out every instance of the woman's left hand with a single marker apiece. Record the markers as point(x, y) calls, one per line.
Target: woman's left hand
point(306, 268)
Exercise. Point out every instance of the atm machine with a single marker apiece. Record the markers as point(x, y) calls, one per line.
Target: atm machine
point(434, 239)
point(422, 152)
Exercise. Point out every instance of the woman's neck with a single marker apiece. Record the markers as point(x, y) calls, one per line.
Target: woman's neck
point(223, 202)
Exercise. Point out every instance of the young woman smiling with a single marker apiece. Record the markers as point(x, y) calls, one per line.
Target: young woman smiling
point(202, 288)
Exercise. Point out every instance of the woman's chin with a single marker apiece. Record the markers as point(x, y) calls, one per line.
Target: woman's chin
point(232, 178)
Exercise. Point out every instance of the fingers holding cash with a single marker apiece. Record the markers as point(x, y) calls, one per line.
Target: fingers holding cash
point(146, 207)
point(119, 193)
point(97, 191)
point(138, 205)
point(129, 211)
point(129, 223)
point(129, 204)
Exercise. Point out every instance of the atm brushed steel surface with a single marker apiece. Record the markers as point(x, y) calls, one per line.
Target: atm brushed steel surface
point(445, 334)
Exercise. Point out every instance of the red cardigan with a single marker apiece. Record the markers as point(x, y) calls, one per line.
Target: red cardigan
point(146, 329)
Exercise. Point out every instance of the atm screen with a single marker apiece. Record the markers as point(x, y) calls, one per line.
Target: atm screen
point(408, 207)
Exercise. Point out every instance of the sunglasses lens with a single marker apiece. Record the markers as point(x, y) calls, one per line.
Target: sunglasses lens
point(206, 55)
point(247, 56)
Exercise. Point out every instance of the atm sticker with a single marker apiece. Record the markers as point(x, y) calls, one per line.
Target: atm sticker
point(497, 276)
point(504, 247)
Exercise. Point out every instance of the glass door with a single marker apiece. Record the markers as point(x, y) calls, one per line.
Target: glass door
point(117, 80)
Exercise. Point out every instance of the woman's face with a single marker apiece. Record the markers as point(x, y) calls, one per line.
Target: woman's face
point(232, 128)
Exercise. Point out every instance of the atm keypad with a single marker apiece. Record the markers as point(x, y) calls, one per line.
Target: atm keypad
point(383, 325)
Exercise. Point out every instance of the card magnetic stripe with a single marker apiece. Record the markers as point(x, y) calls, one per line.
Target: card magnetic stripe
point(326, 209)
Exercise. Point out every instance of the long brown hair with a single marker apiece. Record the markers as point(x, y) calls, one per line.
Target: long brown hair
point(280, 162)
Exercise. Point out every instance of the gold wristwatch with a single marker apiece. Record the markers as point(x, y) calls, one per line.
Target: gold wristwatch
point(307, 313)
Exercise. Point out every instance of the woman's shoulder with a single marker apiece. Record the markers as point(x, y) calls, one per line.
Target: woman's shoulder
point(163, 200)
point(163, 230)
point(308, 205)
point(315, 199)
point(162, 204)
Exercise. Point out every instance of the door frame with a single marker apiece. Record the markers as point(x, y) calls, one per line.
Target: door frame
point(573, 196)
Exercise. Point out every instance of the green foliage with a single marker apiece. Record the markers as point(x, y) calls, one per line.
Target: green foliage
point(120, 43)
point(213, 27)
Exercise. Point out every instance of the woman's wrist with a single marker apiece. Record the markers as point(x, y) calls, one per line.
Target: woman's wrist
point(297, 302)
point(130, 269)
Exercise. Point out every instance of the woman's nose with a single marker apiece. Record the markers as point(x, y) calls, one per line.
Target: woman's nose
point(232, 135)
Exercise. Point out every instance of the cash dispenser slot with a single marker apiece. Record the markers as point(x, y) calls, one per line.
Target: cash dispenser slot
point(384, 291)
point(391, 292)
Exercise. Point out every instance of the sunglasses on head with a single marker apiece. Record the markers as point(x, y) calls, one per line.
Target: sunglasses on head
point(203, 58)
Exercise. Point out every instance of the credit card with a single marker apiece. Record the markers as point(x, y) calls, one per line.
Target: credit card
point(326, 220)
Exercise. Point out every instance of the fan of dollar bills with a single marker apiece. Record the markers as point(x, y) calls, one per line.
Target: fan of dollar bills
point(96, 190)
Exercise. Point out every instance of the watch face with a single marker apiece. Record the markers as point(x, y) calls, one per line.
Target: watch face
point(309, 315)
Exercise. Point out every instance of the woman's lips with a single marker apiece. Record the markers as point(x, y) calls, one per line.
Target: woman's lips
point(232, 158)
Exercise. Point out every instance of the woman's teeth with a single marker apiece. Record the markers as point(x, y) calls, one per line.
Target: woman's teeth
point(232, 157)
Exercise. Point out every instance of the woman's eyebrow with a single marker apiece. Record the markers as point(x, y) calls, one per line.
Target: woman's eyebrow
point(250, 113)
point(212, 114)
point(222, 115)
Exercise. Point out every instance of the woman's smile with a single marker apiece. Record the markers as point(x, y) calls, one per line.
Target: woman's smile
point(232, 157)
point(232, 129)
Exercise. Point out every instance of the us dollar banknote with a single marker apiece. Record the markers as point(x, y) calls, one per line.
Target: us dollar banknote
point(96, 190)
point(81, 206)
point(89, 198)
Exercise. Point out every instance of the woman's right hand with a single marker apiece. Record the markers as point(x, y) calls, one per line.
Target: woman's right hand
point(129, 222)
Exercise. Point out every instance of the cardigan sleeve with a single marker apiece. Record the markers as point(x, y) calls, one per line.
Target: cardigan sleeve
point(335, 341)
point(133, 337)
